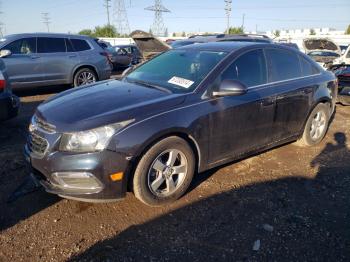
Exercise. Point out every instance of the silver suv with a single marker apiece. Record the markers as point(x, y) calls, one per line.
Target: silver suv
point(42, 59)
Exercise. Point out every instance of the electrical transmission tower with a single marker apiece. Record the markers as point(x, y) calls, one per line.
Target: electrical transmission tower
point(228, 14)
point(2, 25)
point(121, 18)
point(158, 28)
point(46, 21)
point(107, 5)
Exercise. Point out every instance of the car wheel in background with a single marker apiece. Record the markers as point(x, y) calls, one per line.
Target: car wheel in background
point(84, 76)
point(164, 172)
point(316, 126)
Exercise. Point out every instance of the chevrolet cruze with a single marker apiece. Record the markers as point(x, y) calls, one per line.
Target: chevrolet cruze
point(181, 113)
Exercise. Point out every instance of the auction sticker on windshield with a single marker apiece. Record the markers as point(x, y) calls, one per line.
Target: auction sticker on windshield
point(179, 81)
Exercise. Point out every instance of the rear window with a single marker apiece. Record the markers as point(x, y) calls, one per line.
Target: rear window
point(51, 45)
point(80, 45)
point(307, 68)
point(249, 68)
point(283, 65)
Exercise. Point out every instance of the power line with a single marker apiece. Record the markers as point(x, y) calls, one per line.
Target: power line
point(46, 20)
point(158, 27)
point(107, 5)
point(121, 17)
point(228, 14)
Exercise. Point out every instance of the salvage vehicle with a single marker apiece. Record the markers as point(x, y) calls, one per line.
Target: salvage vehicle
point(9, 103)
point(44, 59)
point(148, 45)
point(342, 72)
point(323, 50)
point(345, 58)
point(181, 113)
point(132, 51)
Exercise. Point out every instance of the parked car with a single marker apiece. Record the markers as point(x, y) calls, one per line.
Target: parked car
point(343, 48)
point(323, 50)
point(132, 51)
point(185, 111)
point(344, 58)
point(342, 72)
point(148, 45)
point(9, 103)
point(119, 58)
point(43, 59)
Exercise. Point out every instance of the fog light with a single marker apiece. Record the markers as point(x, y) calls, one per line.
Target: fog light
point(76, 180)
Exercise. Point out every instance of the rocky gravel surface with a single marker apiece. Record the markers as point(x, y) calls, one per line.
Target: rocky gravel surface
point(287, 204)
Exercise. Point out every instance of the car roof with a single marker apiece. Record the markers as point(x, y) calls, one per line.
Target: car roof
point(222, 46)
point(46, 35)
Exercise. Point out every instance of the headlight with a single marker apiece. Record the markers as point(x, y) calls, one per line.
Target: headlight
point(91, 140)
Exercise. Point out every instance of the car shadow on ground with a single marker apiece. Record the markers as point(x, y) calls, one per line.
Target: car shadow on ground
point(292, 219)
point(17, 200)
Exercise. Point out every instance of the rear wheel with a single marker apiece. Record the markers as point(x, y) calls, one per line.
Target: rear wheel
point(84, 76)
point(316, 126)
point(165, 172)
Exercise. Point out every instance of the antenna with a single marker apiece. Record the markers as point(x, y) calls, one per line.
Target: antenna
point(107, 5)
point(228, 13)
point(46, 20)
point(121, 18)
point(158, 28)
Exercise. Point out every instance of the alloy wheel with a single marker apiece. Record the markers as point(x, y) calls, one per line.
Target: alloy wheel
point(318, 125)
point(86, 78)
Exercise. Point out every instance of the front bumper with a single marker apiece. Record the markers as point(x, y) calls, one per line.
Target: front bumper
point(344, 94)
point(100, 165)
point(9, 105)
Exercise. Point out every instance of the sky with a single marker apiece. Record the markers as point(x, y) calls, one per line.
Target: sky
point(190, 16)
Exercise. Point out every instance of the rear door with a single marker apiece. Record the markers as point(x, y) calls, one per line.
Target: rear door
point(24, 66)
point(123, 59)
point(58, 59)
point(240, 124)
point(293, 91)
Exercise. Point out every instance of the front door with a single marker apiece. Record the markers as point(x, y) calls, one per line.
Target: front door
point(240, 124)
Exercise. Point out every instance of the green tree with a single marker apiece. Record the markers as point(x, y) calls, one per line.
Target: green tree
point(183, 34)
point(277, 33)
point(166, 33)
point(105, 31)
point(312, 31)
point(235, 30)
point(174, 34)
point(347, 32)
point(88, 32)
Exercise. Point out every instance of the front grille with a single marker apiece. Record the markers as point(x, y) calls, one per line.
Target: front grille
point(37, 144)
point(43, 125)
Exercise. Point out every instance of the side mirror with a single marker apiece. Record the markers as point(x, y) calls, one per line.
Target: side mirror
point(5, 53)
point(230, 87)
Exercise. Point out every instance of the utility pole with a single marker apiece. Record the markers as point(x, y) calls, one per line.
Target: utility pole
point(107, 5)
point(46, 20)
point(121, 18)
point(228, 13)
point(2, 25)
point(158, 27)
point(243, 16)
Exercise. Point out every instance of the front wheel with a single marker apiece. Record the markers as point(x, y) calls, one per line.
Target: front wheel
point(316, 126)
point(165, 172)
point(84, 76)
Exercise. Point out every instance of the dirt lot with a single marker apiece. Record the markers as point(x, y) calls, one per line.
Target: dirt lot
point(289, 203)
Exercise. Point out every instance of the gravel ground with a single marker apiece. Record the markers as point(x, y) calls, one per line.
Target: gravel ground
point(290, 203)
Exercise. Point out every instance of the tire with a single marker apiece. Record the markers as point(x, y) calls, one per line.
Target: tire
point(316, 126)
point(153, 175)
point(79, 77)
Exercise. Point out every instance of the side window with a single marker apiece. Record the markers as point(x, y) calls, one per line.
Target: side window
point(307, 68)
point(51, 45)
point(69, 45)
point(22, 46)
point(283, 65)
point(80, 45)
point(249, 68)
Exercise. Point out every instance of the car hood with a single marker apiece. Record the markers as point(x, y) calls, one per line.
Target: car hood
point(320, 44)
point(148, 45)
point(105, 103)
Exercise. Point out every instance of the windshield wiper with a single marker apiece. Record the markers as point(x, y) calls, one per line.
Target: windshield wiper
point(148, 85)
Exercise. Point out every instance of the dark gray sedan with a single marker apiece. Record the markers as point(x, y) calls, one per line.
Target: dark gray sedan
point(179, 114)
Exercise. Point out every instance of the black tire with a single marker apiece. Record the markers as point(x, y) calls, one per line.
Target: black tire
point(307, 139)
point(80, 72)
point(144, 171)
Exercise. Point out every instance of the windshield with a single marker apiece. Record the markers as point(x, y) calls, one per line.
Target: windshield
point(179, 71)
point(323, 53)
